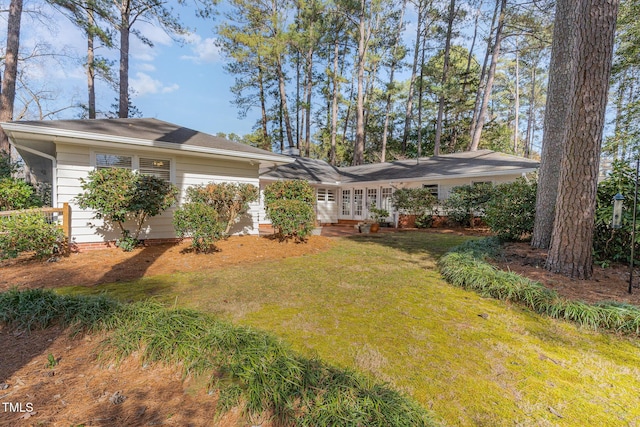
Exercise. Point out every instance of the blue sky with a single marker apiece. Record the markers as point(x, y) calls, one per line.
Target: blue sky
point(183, 83)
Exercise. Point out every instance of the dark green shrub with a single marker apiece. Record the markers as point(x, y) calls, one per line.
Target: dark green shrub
point(413, 201)
point(611, 244)
point(510, 212)
point(424, 221)
point(465, 202)
point(7, 167)
point(293, 189)
point(230, 200)
point(289, 206)
point(200, 222)
point(27, 232)
point(118, 194)
point(291, 218)
point(17, 194)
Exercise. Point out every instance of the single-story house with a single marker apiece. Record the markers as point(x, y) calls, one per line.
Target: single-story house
point(60, 152)
point(345, 194)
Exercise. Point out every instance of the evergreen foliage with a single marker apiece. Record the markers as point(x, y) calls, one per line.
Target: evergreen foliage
point(29, 232)
point(465, 202)
point(118, 194)
point(510, 211)
point(289, 206)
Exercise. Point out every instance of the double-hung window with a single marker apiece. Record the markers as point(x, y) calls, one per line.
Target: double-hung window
point(158, 167)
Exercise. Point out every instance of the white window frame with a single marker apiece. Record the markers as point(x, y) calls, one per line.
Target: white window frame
point(385, 198)
point(431, 187)
point(358, 202)
point(345, 210)
point(135, 161)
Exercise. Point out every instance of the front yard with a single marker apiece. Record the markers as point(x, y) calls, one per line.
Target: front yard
point(378, 304)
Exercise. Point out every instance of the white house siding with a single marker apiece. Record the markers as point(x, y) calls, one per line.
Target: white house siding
point(192, 171)
point(326, 211)
point(74, 162)
point(444, 190)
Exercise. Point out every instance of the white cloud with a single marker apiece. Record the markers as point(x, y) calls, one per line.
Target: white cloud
point(147, 67)
point(144, 84)
point(204, 50)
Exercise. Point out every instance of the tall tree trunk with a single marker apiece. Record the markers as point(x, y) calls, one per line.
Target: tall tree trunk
point(392, 68)
point(475, 140)
point(307, 107)
point(263, 108)
point(91, 66)
point(334, 102)
point(358, 149)
point(412, 81)
point(443, 82)
point(483, 73)
point(123, 103)
point(516, 103)
point(572, 236)
point(531, 122)
point(8, 90)
point(559, 90)
point(283, 99)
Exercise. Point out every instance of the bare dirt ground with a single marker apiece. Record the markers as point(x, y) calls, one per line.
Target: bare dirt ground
point(79, 390)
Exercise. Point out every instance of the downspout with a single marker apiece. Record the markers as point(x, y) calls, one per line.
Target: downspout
point(54, 173)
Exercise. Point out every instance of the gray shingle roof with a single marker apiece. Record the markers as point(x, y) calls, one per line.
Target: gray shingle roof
point(147, 129)
point(469, 163)
point(311, 170)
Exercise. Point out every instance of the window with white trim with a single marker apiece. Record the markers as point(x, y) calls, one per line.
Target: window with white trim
point(346, 202)
point(321, 194)
point(433, 189)
point(358, 196)
point(326, 195)
point(158, 167)
point(104, 161)
point(372, 198)
point(385, 198)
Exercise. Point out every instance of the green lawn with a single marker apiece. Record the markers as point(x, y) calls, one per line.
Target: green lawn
point(378, 304)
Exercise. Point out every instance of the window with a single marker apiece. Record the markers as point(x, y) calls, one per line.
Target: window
point(346, 202)
point(113, 161)
point(358, 196)
point(322, 194)
point(433, 189)
point(326, 195)
point(372, 198)
point(160, 168)
point(385, 199)
point(156, 167)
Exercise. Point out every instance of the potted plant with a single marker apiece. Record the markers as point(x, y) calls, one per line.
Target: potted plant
point(378, 215)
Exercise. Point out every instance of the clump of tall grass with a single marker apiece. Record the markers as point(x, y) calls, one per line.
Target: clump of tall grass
point(246, 366)
point(465, 266)
point(39, 308)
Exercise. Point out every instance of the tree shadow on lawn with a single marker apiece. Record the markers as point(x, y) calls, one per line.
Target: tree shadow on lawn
point(431, 242)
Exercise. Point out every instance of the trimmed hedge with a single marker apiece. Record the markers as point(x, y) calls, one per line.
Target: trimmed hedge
point(465, 266)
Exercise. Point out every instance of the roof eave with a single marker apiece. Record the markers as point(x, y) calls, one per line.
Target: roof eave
point(15, 130)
